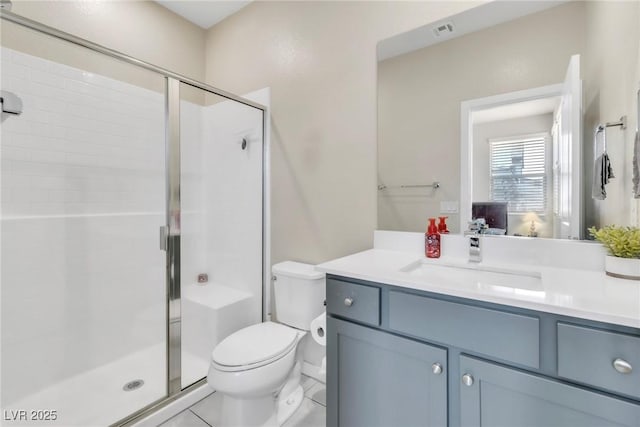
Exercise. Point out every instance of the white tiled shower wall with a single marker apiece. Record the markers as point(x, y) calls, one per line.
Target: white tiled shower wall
point(82, 199)
point(84, 144)
point(221, 195)
point(233, 240)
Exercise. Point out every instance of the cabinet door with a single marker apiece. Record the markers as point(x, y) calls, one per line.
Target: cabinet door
point(496, 396)
point(378, 379)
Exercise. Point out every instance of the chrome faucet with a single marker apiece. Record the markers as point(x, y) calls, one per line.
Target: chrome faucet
point(476, 228)
point(475, 255)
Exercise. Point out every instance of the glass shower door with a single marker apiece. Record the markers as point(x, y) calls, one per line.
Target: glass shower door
point(84, 327)
point(222, 154)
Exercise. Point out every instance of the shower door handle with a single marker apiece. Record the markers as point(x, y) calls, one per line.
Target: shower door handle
point(164, 237)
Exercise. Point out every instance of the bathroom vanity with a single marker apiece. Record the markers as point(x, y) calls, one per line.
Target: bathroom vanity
point(408, 350)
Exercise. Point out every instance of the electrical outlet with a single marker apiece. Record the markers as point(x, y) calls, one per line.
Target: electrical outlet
point(449, 206)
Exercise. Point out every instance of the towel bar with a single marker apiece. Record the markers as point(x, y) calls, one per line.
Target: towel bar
point(622, 123)
point(600, 128)
point(435, 185)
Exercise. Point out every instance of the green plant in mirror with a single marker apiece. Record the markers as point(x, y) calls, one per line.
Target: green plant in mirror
point(622, 242)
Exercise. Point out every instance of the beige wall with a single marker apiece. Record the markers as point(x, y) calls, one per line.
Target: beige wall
point(420, 95)
point(319, 58)
point(142, 29)
point(482, 133)
point(612, 75)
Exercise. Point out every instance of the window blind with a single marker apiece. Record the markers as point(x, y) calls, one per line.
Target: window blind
point(518, 174)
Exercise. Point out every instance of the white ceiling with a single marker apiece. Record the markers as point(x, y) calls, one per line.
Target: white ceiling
point(204, 13)
point(514, 111)
point(478, 18)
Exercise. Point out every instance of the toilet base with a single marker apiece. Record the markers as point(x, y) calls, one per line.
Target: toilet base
point(245, 412)
point(287, 405)
point(260, 412)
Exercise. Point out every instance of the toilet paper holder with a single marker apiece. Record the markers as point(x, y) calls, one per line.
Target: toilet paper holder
point(318, 327)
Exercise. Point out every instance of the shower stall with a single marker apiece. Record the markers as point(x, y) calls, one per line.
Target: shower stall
point(132, 228)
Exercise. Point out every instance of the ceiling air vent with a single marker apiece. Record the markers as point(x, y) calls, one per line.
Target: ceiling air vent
point(444, 29)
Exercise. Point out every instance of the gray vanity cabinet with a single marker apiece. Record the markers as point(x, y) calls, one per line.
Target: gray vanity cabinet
point(383, 380)
point(404, 358)
point(497, 396)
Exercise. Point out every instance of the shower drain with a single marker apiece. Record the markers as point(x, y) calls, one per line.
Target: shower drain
point(133, 385)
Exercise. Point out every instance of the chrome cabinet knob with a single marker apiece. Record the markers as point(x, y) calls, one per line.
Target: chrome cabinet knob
point(348, 302)
point(436, 368)
point(467, 380)
point(622, 366)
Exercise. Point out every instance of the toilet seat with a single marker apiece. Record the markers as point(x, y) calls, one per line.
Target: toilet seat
point(254, 346)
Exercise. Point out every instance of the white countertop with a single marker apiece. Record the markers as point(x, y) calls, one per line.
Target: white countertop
point(575, 292)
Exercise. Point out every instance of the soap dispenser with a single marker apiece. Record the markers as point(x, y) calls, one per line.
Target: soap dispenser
point(432, 240)
point(442, 225)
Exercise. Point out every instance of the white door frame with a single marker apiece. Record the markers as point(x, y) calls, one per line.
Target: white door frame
point(467, 108)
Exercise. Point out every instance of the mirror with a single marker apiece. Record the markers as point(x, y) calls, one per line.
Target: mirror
point(500, 103)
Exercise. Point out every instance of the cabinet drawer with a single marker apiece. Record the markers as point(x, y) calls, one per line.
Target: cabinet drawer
point(357, 302)
point(510, 337)
point(588, 355)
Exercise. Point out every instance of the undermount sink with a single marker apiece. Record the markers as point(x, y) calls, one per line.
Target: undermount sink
point(475, 274)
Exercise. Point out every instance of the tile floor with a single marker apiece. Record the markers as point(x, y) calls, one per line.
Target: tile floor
point(312, 412)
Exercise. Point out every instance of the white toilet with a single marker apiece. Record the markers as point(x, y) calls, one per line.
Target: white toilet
point(257, 369)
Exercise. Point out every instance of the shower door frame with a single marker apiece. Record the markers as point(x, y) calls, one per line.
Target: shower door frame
point(170, 233)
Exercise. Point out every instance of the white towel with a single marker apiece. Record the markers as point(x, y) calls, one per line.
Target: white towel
point(636, 166)
point(602, 173)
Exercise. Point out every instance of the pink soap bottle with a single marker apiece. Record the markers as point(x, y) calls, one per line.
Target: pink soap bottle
point(432, 240)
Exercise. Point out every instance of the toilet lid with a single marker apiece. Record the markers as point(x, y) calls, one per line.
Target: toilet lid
point(255, 344)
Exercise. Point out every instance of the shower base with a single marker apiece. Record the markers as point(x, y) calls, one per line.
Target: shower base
point(97, 397)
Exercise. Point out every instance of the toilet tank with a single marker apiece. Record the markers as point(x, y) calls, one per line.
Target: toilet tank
point(299, 293)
